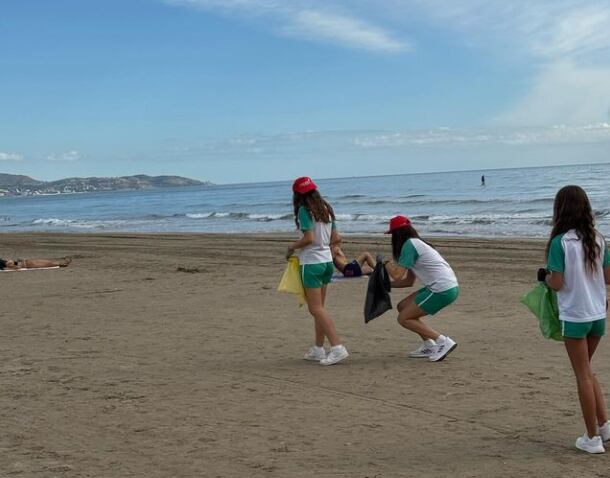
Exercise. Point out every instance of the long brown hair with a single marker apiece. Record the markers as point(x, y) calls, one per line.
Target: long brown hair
point(317, 206)
point(399, 237)
point(572, 210)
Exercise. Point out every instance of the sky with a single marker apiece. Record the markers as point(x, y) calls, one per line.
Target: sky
point(261, 90)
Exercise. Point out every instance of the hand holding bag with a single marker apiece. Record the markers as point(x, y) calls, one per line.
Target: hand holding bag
point(291, 280)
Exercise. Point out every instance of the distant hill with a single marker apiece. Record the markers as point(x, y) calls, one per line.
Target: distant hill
point(14, 185)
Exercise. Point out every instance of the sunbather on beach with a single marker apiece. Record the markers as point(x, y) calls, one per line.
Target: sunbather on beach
point(15, 264)
point(362, 265)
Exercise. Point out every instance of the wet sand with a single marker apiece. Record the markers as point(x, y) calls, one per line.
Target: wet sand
point(174, 356)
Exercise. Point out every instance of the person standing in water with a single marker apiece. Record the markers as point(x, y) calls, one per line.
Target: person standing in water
point(315, 218)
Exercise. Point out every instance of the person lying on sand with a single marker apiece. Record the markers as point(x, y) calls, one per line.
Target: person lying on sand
point(362, 265)
point(16, 264)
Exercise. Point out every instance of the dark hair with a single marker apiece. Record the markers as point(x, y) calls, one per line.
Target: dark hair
point(399, 237)
point(2, 264)
point(572, 210)
point(319, 209)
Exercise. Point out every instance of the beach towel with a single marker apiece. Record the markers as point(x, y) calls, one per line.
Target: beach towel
point(340, 277)
point(542, 302)
point(291, 280)
point(29, 269)
point(378, 300)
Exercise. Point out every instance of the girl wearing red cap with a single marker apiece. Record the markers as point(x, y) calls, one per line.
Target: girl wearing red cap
point(417, 259)
point(316, 220)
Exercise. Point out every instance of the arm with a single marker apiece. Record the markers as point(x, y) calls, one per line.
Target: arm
point(303, 242)
point(406, 281)
point(555, 263)
point(395, 271)
point(335, 238)
point(555, 280)
point(607, 274)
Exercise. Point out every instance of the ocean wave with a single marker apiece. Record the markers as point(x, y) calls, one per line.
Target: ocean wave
point(89, 224)
point(601, 212)
point(264, 217)
point(436, 202)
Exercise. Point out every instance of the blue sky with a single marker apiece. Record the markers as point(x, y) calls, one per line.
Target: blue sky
point(261, 90)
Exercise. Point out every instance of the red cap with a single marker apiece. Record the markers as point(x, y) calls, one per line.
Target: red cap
point(303, 185)
point(397, 222)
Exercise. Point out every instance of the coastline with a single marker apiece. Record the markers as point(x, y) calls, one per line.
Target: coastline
point(124, 365)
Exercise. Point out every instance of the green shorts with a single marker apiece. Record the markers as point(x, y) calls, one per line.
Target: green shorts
point(580, 330)
point(315, 276)
point(431, 302)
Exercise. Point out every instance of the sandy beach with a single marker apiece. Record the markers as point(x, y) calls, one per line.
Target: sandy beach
point(175, 356)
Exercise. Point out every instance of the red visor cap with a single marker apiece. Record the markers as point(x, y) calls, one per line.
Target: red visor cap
point(303, 185)
point(397, 222)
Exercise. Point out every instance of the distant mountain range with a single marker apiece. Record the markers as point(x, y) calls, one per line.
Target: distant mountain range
point(18, 185)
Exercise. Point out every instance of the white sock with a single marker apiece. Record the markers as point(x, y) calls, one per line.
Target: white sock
point(440, 339)
point(336, 347)
point(318, 349)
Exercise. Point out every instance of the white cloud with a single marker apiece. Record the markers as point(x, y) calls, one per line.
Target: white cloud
point(566, 42)
point(563, 92)
point(441, 137)
point(318, 26)
point(545, 29)
point(315, 143)
point(10, 157)
point(71, 155)
point(310, 20)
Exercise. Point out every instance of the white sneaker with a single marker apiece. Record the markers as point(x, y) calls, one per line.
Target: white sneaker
point(443, 348)
point(336, 354)
point(604, 431)
point(590, 445)
point(425, 350)
point(315, 354)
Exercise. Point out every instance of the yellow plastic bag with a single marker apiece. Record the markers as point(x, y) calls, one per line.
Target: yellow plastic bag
point(291, 280)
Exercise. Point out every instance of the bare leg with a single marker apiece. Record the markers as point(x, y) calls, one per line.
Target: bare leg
point(409, 315)
point(600, 403)
point(38, 263)
point(578, 351)
point(366, 258)
point(319, 330)
point(320, 315)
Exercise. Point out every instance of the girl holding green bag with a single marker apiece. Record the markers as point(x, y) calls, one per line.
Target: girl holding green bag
point(315, 218)
point(579, 269)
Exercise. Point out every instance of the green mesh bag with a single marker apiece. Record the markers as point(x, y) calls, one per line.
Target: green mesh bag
point(542, 302)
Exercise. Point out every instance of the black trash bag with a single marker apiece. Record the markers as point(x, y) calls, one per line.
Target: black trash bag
point(378, 299)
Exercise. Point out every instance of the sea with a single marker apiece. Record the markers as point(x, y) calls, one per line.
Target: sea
point(512, 203)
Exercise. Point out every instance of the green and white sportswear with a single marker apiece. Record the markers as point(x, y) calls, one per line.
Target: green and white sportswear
point(427, 265)
point(582, 298)
point(319, 250)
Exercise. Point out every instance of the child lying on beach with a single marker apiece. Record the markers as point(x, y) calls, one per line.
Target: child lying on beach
point(362, 265)
point(16, 264)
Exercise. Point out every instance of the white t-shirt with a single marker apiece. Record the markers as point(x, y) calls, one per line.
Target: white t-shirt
point(583, 295)
point(427, 265)
point(319, 250)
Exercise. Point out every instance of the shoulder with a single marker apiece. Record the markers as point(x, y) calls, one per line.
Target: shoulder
point(558, 239)
point(303, 213)
point(418, 244)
